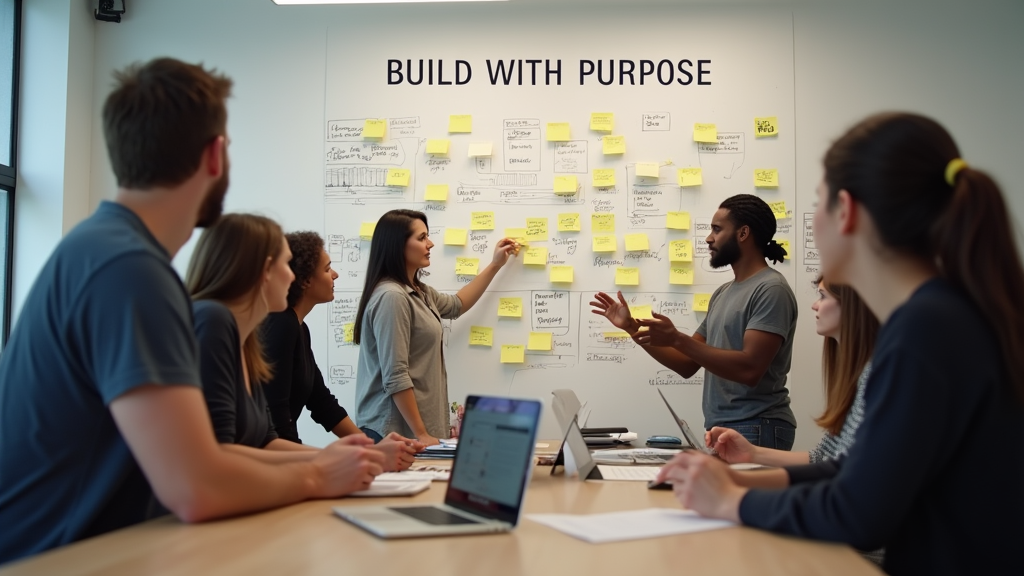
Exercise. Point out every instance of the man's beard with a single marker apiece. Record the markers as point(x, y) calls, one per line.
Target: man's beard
point(213, 204)
point(726, 254)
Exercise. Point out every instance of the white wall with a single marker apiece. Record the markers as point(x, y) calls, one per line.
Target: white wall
point(958, 61)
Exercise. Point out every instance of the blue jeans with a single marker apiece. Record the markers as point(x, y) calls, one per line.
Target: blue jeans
point(376, 437)
point(766, 432)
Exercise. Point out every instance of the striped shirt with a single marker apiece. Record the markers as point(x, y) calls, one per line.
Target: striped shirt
point(832, 447)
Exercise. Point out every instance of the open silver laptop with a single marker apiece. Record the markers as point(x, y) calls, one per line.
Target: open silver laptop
point(692, 440)
point(489, 476)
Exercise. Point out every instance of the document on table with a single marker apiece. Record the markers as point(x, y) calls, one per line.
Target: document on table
point(385, 485)
point(630, 525)
point(629, 473)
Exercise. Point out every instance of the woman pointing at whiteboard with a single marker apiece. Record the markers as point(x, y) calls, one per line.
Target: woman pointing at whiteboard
point(401, 383)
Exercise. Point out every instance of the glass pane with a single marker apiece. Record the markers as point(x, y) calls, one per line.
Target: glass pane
point(6, 78)
point(5, 201)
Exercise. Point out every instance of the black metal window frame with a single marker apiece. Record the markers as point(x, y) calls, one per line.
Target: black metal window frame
point(8, 177)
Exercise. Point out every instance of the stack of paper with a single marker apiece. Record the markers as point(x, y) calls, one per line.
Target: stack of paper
point(631, 525)
point(396, 484)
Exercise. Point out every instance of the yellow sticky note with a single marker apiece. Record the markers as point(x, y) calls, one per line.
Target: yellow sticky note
point(615, 335)
point(513, 353)
point(366, 230)
point(602, 222)
point(467, 266)
point(438, 147)
point(539, 341)
point(766, 178)
point(647, 169)
point(481, 221)
point(536, 257)
point(603, 177)
point(374, 128)
point(681, 274)
point(779, 209)
point(455, 236)
point(627, 276)
point(348, 332)
point(558, 132)
point(560, 274)
point(398, 177)
point(636, 242)
point(677, 220)
point(565, 185)
point(602, 121)
point(701, 302)
point(605, 243)
point(766, 126)
point(510, 308)
point(478, 149)
point(481, 336)
point(460, 123)
point(705, 133)
point(680, 251)
point(437, 192)
point(613, 145)
point(690, 177)
point(642, 312)
point(537, 229)
point(785, 246)
point(517, 234)
point(569, 222)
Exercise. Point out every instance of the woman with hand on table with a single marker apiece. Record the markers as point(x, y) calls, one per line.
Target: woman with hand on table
point(401, 382)
point(927, 242)
point(238, 274)
point(297, 381)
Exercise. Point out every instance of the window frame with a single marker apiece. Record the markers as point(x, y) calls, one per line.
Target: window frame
point(9, 177)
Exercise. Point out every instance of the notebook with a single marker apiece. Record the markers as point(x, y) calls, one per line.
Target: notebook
point(488, 480)
point(690, 440)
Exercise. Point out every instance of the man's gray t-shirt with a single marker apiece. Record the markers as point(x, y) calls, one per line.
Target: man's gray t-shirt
point(762, 302)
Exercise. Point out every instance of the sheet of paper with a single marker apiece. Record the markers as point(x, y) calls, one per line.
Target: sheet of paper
point(510, 307)
point(437, 192)
point(481, 221)
point(766, 126)
point(539, 341)
point(677, 220)
point(705, 133)
point(438, 147)
point(701, 302)
point(558, 132)
point(569, 222)
point(602, 121)
point(680, 251)
point(513, 353)
point(779, 209)
point(566, 185)
point(648, 169)
point(386, 488)
point(605, 243)
point(536, 256)
point(398, 177)
point(629, 525)
point(562, 274)
point(348, 332)
point(690, 177)
point(785, 246)
point(613, 145)
point(642, 312)
point(460, 123)
point(766, 178)
point(611, 336)
point(374, 127)
point(467, 266)
point(627, 276)
point(517, 234)
point(537, 229)
point(455, 236)
point(637, 242)
point(481, 336)
point(629, 473)
point(366, 230)
point(478, 149)
point(602, 222)
point(681, 274)
point(603, 177)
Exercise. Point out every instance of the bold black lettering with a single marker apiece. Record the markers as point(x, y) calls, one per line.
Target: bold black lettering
point(394, 67)
point(458, 72)
point(584, 72)
point(548, 72)
point(671, 72)
point(646, 69)
point(701, 72)
point(499, 70)
point(533, 71)
point(623, 72)
point(440, 74)
point(408, 65)
point(611, 72)
point(684, 72)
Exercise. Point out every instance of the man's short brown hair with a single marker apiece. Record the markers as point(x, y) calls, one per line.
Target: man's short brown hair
point(159, 119)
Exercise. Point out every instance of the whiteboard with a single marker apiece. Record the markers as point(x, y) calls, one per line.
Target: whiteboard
point(749, 74)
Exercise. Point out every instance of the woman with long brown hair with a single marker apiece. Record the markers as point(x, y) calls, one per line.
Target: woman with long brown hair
point(936, 472)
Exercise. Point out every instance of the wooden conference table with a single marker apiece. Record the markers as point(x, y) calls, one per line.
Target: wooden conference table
point(307, 538)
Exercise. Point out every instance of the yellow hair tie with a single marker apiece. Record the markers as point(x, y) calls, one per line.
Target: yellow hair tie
point(953, 168)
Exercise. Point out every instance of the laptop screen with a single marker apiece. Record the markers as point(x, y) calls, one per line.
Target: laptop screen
point(495, 457)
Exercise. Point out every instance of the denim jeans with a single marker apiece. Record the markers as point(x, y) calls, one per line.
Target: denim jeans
point(376, 437)
point(766, 432)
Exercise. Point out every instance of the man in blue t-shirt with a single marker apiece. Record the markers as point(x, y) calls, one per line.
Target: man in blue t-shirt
point(745, 343)
point(100, 399)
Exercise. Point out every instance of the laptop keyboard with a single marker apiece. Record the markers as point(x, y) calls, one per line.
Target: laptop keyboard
point(433, 516)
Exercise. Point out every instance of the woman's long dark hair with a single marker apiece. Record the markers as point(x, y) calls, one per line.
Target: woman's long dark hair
point(895, 165)
point(387, 257)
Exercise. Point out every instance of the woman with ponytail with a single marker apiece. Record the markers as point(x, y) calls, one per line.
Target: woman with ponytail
point(936, 471)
